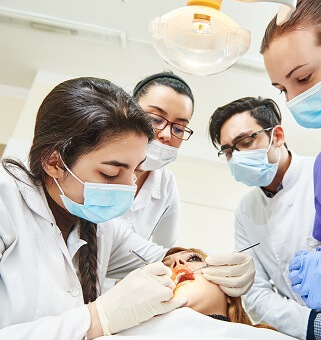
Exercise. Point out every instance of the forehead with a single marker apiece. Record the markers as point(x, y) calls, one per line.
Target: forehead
point(290, 50)
point(237, 124)
point(168, 100)
point(129, 149)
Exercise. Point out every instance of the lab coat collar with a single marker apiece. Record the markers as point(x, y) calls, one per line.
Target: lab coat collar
point(33, 195)
point(290, 177)
point(292, 174)
point(150, 189)
point(35, 198)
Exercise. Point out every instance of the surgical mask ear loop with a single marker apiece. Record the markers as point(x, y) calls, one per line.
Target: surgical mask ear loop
point(268, 149)
point(79, 180)
point(59, 187)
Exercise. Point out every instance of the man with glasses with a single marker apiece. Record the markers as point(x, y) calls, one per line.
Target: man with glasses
point(278, 212)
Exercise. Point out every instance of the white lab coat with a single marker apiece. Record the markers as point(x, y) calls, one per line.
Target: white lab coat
point(283, 225)
point(40, 293)
point(154, 214)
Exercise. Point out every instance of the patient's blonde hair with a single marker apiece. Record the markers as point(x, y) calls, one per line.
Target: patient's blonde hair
point(235, 310)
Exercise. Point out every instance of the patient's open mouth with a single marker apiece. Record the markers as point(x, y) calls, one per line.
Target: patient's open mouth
point(181, 274)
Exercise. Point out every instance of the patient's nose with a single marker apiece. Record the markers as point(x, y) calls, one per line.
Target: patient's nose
point(178, 262)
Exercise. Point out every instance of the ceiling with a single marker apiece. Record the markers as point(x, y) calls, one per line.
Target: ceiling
point(25, 50)
point(130, 17)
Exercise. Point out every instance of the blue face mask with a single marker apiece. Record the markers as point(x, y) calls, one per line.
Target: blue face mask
point(252, 167)
point(306, 107)
point(102, 202)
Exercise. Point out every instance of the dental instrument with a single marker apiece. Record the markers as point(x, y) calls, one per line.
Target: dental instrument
point(236, 251)
point(139, 257)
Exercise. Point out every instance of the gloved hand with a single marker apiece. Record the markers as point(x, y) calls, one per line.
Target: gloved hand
point(142, 294)
point(305, 276)
point(233, 272)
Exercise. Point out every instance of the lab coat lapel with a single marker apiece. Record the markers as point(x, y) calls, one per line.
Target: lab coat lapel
point(35, 198)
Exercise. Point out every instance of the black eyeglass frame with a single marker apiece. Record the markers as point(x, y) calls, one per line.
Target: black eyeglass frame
point(185, 128)
point(233, 147)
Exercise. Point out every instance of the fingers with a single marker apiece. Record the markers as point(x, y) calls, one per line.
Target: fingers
point(295, 277)
point(222, 271)
point(172, 304)
point(158, 268)
point(295, 263)
point(231, 282)
point(301, 252)
point(235, 292)
point(230, 259)
point(161, 274)
point(166, 282)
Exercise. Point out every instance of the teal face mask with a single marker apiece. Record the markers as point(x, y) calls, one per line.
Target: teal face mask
point(252, 167)
point(306, 107)
point(102, 202)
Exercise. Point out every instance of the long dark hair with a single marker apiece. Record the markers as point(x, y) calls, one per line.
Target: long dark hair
point(75, 118)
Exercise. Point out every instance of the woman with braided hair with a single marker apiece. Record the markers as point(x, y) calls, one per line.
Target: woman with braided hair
point(57, 237)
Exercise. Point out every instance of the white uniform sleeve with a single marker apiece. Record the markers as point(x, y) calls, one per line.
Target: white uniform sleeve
point(71, 325)
point(121, 261)
point(264, 305)
point(166, 232)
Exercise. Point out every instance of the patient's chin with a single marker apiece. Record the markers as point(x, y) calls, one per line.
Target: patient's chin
point(202, 296)
point(188, 290)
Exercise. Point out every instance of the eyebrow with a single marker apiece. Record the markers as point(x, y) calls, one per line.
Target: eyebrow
point(119, 164)
point(290, 73)
point(165, 113)
point(236, 139)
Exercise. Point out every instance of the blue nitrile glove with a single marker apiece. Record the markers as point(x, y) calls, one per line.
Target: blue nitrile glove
point(305, 276)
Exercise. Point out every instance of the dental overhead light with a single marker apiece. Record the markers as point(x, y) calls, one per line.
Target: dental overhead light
point(200, 40)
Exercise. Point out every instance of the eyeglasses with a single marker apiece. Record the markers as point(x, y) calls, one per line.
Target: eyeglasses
point(177, 130)
point(243, 144)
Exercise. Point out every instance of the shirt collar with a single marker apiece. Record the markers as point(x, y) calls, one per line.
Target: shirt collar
point(32, 194)
point(270, 194)
point(290, 177)
point(150, 189)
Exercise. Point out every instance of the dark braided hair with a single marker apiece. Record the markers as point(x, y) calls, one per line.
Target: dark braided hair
point(76, 117)
point(88, 261)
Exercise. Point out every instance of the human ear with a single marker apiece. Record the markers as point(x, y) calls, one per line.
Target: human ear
point(278, 136)
point(228, 300)
point(53, 165)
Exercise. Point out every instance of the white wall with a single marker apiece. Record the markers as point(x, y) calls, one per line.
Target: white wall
point(209, 194)
point(11, 103)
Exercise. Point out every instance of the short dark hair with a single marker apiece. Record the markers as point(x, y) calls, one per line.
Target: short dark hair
point(264, 110)
point(168, 79)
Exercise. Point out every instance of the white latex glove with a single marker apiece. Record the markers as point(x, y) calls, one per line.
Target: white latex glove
point(142, 294)
point(233, 272)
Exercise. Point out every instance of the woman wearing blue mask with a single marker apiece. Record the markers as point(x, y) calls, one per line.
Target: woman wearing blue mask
point(57, 237)
point(292, 56)
point(169, 102)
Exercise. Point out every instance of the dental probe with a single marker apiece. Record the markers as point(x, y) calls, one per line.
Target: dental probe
point(139, 257)
point(236, 251)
